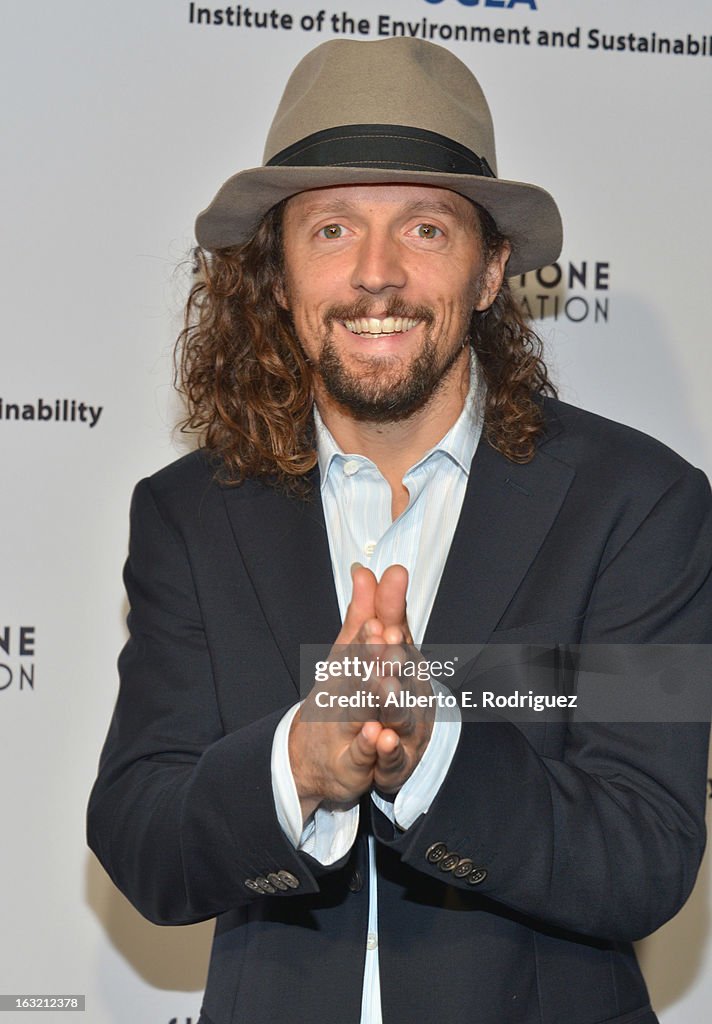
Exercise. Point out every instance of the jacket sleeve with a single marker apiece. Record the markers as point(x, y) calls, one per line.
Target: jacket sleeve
point(603, 838)
point(182, 814)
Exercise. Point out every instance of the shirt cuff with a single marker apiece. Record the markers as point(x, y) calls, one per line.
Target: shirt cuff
point(418, 792)
point(329, 833)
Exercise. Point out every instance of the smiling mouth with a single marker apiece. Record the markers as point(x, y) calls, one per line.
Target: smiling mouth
point(374, 327)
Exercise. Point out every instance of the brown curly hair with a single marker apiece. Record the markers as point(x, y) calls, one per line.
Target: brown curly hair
point(248, 386)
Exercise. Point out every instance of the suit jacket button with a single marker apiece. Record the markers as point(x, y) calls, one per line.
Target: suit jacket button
point(449, 862)
point(463, 868)
point(476, 876)
point(252, 885)
point(277, 882)
point(264, 885)
point(355, 882)
point(289, 879)
point(436, 852)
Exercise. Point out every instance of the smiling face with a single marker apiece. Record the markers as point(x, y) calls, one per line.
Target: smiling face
point(381, 282)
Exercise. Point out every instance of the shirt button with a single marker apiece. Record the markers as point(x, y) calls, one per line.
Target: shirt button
point(355, 882)
point(369, 547)
point(351, 466)
point(372, 940)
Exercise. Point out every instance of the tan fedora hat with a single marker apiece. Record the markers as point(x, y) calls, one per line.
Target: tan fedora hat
point(395, 110)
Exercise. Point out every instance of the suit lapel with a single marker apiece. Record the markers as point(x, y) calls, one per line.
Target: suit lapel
point(506, 514)
point(285, 549)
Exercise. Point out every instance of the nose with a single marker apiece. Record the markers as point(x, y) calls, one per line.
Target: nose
point(379, 263)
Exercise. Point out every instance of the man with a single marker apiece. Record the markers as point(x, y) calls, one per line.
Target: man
point(378, 425)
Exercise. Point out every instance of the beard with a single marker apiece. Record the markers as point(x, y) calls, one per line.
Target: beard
point(385, 389)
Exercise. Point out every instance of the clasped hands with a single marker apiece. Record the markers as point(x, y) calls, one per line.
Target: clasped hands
point(339, 759)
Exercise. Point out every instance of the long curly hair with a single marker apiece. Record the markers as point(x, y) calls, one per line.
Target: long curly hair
point(247, 385)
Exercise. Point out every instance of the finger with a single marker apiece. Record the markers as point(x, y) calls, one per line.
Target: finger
point(357, 714)
point(371, 730)
point(389, 748)
point(390, 596)
point(400, 720)
point(413, 669)
point(393, 657)
point(392, 766)
point(363, 653)
point(362, 604)
point(395, 634)
point(370, 632)
point(393, 715)
point(364, 746)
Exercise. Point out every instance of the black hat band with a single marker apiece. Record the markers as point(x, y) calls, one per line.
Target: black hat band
point(389, 146)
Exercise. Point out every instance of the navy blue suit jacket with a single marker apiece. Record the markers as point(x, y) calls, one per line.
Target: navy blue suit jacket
point(591, 835)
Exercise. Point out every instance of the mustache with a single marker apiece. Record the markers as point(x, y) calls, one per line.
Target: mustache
point(367, 306)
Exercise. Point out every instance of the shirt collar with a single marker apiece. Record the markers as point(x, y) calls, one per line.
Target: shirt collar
point(459, 443)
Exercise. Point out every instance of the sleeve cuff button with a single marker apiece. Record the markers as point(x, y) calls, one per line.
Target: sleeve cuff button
point(289, 879)
point(476, 876)
point(435, 853)
point(449, 862)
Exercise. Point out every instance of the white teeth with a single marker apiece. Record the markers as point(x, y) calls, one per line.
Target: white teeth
point(371, 325)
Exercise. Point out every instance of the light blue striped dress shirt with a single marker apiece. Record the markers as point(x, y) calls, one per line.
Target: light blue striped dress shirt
point(357, 510)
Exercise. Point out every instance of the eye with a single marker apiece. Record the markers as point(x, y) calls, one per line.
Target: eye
point(428, 231)
point(331, 231)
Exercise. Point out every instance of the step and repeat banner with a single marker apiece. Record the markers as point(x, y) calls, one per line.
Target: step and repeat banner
point(119, 121)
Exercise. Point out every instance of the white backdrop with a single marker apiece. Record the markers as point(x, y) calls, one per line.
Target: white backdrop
point(119, 120)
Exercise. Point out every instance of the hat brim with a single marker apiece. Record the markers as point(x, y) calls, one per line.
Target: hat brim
point(525, 213)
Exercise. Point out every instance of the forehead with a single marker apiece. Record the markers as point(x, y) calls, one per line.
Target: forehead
point(393, 200)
